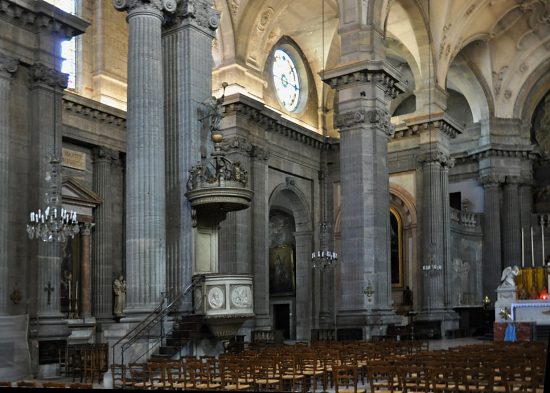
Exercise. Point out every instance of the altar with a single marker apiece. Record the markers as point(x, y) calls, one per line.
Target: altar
point(535, 311)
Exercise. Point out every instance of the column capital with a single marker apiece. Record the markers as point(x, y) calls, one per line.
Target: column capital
point(199, 12)
point(513, 180)
point(260, 153)
point(237, 144)
point(8, 65)
point(144, 5)
point(436, 157)
point(375, 117)
point(102, 153)
point(492, 180)
point(41, 74)
point(86, 228)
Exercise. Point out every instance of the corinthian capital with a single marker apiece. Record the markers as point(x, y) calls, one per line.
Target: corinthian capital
point(436, 157)
point(198, 12)
point(492, 180)
point(8, 65)
point(41, 74)
point(157, 5)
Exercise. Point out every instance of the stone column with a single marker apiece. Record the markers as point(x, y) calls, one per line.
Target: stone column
point(103, 255)
point(432, 231)
point(187, 54)
point(511, 225)
point(145, 171)
point(526, 209)
point(86, 269)
point(46, 86)
point(492, 257)
point(8, 66)
point(260, 228)
point(364, 94)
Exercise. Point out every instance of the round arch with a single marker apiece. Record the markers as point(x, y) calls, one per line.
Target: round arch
point(290, 199)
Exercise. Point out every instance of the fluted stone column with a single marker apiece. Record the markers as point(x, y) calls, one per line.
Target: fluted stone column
point(187, 54)
point(304, 290)
point(432, 230)
point(102, 292)
point(260, 228)
point(511, 224)
point(145, 171)
point(86, 269)
point(8, 66)
point(492, 256)
point(364, 94)
point(46, 85)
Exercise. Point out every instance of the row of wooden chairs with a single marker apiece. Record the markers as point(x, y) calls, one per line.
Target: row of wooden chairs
point(86, 362)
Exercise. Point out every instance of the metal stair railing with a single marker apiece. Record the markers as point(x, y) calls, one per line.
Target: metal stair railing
point(153, 320)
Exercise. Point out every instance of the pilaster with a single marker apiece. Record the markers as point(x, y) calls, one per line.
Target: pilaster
point(8, 67)
point(186, 49)
point(492, 246)
point(145, 170)
point(86, 269)
point(102, 293)
point(260, 228)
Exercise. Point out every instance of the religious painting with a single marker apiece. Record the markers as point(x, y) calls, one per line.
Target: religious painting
point(281, 270)
point(396, 249)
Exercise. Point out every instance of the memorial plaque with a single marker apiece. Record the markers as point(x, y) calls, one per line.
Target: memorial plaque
point(74, 159)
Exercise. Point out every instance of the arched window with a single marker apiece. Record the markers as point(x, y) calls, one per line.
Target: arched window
point(68, 48)
point(396, 248)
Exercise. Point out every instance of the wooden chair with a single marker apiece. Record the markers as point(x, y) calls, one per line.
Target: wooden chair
point(266, 377)
point(54, 385)
point(413, 378)
point(5, 384)
point(346, 378)
point(78, 385)
point(312, 368)
point(157, 375)
point(25, 384)
point(139, 374)
point(206, 377)
point(232, 379)
point(290, 373)
point(119, 374)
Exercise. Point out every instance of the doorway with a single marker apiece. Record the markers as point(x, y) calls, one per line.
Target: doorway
point(281, 318)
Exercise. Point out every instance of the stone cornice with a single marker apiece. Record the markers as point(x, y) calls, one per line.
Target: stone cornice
point(89, 109)
point(382, 73)
point(271, 121)
point(526, 152)
point(8, 65)
point(196, 12)
point(39, 15)
point(40, 74)
point(440, 121)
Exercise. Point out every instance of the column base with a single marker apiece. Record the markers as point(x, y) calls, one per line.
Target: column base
point(364, 324)
point(435, 323)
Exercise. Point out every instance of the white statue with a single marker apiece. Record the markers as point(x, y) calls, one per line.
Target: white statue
point(508, 278)
point(119, 289)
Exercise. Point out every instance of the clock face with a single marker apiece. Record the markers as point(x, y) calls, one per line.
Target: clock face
point(286, 80)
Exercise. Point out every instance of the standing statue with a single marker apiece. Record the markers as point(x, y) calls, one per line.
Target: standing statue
point(119, 289)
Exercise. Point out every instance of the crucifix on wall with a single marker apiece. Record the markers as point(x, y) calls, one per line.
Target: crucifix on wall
point(49, 289)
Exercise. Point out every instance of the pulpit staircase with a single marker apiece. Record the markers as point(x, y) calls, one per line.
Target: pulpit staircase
point(163, 332)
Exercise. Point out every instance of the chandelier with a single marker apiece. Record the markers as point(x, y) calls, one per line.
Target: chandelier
point(324, 258)
point(54, 223)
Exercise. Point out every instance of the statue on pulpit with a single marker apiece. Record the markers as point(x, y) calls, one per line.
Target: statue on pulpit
point(508, 278)
point(119, 289)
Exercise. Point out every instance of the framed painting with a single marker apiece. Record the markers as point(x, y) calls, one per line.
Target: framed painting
point(281, 270)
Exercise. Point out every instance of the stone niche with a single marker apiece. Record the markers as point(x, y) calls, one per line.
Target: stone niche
point(225, 301)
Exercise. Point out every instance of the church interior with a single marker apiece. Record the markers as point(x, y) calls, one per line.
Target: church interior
point(193, 177)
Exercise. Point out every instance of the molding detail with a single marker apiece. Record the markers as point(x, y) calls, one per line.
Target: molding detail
point(384, 78)
point(349, 119)
point(436, 157)
point(237, 144)
point(492, 180)
point(198, 11)
point(377, 117)
point(42, 74)
point(158, 5)
point(260, 153)
point(93, 113)
point(443, 125)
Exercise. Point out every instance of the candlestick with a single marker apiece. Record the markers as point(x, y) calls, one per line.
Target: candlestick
point(522, 249)
point(532, 250)
point(542, 237)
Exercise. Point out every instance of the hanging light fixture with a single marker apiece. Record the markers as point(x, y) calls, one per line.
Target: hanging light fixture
point(53, 223)
point(324, 258)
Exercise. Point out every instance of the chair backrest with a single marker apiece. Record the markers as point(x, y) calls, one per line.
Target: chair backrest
point(81, 385)
point(54, 385)
point(25, 384)
point(344, 377)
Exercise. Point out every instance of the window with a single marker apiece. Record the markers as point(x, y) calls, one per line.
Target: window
point(68, 48)
point(286, 80)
